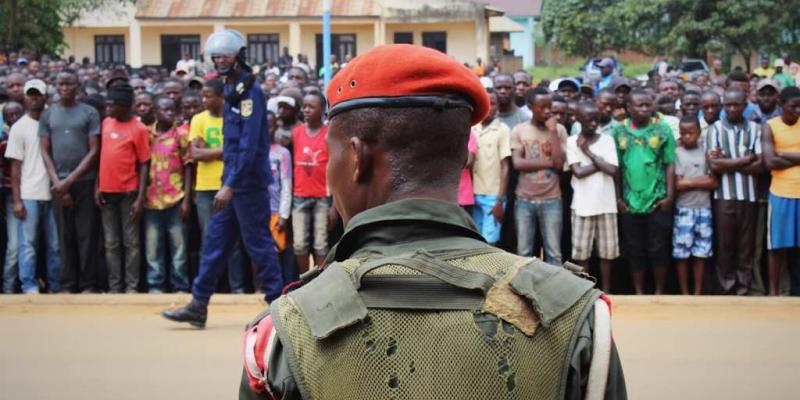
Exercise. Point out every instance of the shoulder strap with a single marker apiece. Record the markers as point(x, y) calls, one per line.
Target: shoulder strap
point(417, 292)
point(425, 263)
point(440, 287)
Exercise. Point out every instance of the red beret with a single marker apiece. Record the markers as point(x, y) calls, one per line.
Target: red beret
point(402, 75)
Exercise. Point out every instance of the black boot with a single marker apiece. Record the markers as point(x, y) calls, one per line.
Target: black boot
point(194, 313)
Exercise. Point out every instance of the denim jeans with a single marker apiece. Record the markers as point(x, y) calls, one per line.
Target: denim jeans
point(121, 231)
point(12, 246)
point(160, 227)
point(544, 215)
point(308, 212)
point(39, 215)
point(204, 200)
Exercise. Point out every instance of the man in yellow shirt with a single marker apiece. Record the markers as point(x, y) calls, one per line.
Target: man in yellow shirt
point(781, 151)
point(764, 70)
point(479, 69)
point(205, 134)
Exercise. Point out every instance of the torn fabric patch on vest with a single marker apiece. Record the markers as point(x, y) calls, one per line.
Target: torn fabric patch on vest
point(509, 306)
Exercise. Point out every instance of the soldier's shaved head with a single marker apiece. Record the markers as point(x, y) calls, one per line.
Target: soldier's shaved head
point(425, 147)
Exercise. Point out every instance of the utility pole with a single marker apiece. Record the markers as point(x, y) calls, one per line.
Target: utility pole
point(326, 41)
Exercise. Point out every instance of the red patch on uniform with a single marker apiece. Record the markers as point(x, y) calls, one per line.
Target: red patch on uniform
point(607, 299)
point(259, 342)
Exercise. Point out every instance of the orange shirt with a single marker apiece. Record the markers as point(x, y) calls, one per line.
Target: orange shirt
point(124, 144)
point(785, 182)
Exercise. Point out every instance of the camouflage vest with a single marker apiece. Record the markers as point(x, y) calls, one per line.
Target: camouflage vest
point(478, 324)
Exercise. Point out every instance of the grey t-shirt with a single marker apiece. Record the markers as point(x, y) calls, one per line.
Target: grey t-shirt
point(522, 114)
point(69, 129)
point(691, 163)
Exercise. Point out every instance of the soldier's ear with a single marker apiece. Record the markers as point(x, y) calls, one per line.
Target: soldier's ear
point(362, 160)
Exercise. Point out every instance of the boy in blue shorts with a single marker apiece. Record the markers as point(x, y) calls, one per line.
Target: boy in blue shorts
point(692, 232)
point(490, 173)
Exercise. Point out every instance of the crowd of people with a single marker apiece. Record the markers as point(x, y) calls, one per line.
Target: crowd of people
point(700, 174)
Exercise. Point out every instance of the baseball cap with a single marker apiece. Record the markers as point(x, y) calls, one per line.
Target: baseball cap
point(606, 63)
point(117, 75)
point(568, 82)
point(779, 63)
point(36, 84)
point(588, 88)
point(285, 99)
point(182, 69)
point(768, 82)
point(620, 83)
point(121, 94)
point(424, 78)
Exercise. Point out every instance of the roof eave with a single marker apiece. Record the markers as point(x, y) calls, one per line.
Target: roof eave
point(271, 17)
point(490, 11)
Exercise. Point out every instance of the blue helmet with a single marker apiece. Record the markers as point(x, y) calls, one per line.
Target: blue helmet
point(227, 42)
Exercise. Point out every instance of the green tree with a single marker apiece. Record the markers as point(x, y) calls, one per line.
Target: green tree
point(36, 24)
point(677, 28)
point(748, 26)
point(789, 22)
point(581, 27)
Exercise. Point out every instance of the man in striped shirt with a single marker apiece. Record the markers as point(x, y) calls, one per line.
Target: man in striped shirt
point(733, 145)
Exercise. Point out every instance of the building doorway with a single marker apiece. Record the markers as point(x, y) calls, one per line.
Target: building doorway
point(173, 47)
point(341, 46)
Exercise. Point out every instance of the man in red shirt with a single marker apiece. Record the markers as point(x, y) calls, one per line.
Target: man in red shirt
point(120, 193)
point(311, 203)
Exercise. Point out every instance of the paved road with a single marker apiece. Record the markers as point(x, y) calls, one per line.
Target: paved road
point(685, 349)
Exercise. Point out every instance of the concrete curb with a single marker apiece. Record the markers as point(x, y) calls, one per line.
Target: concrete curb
point(679, 300)
point(257, 299)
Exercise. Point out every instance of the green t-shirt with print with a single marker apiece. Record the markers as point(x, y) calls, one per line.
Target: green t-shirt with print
point(643, 153)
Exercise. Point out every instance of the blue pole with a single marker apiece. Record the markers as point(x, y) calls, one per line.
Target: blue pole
point(326, 41)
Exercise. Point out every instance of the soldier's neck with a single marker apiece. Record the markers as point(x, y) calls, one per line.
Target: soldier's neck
point(420, 193)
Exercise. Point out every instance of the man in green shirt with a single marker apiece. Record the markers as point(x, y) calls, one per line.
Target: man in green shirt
point(646, 149)
point(782, 77)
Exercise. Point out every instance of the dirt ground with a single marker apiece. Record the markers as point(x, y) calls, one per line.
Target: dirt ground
point(707, 348)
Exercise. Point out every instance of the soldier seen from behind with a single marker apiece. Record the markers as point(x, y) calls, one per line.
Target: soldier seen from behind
point(412, 302)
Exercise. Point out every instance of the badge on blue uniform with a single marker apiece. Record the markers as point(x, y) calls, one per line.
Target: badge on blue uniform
point(247, 107)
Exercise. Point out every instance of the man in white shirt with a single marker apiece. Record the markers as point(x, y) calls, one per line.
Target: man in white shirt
point(30, 188)
point(592, 157)
point(187, 64)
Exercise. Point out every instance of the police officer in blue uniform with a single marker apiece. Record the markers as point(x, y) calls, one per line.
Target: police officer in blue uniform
point(242, 204)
